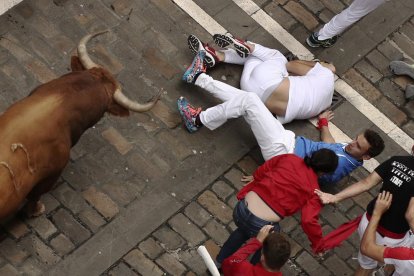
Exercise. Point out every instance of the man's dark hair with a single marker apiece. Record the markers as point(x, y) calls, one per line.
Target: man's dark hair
point(276, 251)
point(375, 141)
point(323, 160)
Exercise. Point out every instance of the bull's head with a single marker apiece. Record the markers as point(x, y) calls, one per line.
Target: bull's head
point(118, 96)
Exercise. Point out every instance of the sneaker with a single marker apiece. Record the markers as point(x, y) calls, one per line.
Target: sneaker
point(228, 41)
point(314, 42)
point(189, 114)
point(196, 68)
point(195, 45)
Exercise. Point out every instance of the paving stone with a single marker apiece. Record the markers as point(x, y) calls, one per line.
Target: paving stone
point(409, 128)
point(309, 264)
point(389, 51)
point(183, 226)
point(302, 15)
point(66, 223)
point(9, 270)
point(197, 214)
point(117, 140)
point(326, 15)
point(335, 6)
point(158, 61)
point(121, 270)
point(337, 266)
point(143, 265)
point(222, 189)
point(404, 43)
point(151, 248)
point(122, 193)
point(354, 212)
point(379, 61)
point(313, 5)
point(363, 199)
point(42, 226)
point(45, 254)
point(345, 250)
point(216, 231)
point(171, 264)
point(180, 150)
point(92, 219)
point(13, 252)
point(169, 118)
point(236, 21)
point(168, 238)
point(101, 202)
point(368, 71)
point(50, 203)
point(402, 81)
point(193, 261)
point(360, 84)
point(215, 206)
point(69, 198)
point(232, 201)
point(280, 15)
point(16, 228)
point(390, 90)
point(62, 245)
point(393, 112)
point(234, 176)
point(32, 267)
point(288, 224)
point(142, 165)
point(248, 165)
point(408, 30)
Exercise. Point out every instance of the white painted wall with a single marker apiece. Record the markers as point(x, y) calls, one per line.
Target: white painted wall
point(5, 5)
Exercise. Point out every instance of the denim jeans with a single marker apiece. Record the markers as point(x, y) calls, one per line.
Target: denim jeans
point(248, 226)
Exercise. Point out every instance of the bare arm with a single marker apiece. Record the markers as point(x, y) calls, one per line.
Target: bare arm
point(353, 190)
point(369, 246)
point(409, 214)
point(326, 135)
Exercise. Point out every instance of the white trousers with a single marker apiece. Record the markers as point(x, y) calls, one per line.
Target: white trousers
point(341, 21)
point(263, 71)
point(272, 138)
point(368, 263)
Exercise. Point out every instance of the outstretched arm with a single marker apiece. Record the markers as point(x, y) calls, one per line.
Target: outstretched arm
point(369, 246)
point(353, 190)
point(409, 214)
point(326, 135)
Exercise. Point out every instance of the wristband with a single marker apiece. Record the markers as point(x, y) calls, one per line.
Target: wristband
point(322, 122)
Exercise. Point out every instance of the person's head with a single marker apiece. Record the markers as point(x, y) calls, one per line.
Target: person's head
point(322, 161)
point(275, 251)
point(366, 145)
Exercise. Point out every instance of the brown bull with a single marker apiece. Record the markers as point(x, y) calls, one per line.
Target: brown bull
point(37, 133)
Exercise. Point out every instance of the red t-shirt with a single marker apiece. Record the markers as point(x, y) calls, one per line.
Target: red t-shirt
point(287, 186)
point(238, 265)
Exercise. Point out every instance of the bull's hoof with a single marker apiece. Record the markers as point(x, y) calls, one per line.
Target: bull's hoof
point(35, 210)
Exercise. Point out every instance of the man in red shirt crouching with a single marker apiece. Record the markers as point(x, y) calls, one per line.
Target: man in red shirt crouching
point(275, 253)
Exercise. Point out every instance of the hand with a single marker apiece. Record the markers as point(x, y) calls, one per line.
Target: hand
point(327, 114)
point(264, 232)
point(247, 178)
point(383, 203)
point(325, 197)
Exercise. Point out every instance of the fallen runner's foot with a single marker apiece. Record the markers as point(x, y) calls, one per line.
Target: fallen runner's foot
point(402, 68)
point(228, 41)
point(196, 45)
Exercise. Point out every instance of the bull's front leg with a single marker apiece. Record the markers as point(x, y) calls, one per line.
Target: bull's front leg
point(34, 207)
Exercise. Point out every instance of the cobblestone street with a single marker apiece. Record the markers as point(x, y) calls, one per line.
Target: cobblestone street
point(140, 193)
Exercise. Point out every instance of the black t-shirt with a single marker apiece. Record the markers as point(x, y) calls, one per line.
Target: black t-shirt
point(397, 174)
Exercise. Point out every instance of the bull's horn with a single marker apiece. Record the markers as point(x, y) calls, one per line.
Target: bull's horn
point(122, 100)
point(83, 53)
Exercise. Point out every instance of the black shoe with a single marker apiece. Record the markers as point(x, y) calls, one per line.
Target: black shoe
point(314, 42)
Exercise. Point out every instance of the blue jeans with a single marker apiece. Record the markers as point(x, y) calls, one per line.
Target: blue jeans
point(248, 226)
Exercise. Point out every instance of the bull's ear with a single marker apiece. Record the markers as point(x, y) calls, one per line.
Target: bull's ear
point(117, 110)
point(75, 64)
